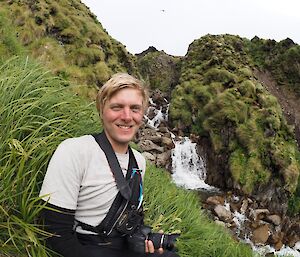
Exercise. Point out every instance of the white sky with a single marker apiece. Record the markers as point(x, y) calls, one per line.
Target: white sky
point(171, 25)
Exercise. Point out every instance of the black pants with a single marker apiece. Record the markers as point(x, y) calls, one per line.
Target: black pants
point(117, 247)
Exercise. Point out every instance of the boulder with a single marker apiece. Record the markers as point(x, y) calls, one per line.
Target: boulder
point(223, 213)
point(274, 219)
point(148, 146)
point(149, 156)
point(162, 159)
point(215, 200)
point(261, 234)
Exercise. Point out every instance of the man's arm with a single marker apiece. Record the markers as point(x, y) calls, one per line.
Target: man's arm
point(60, 222)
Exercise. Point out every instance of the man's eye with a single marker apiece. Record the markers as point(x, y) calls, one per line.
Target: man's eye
point(116, 108)
point(136, 109)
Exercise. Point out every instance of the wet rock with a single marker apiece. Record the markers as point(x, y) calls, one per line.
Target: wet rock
point(158, 97)
point(151, 112)
point(167, 142)
point(215, 200)
point(258, 214)
point(149, 156)
point(261, 234)
point(293, 234)
point(276, 240)
point(274, 219)
point(147, 145)
point(244, 206)
point(223, 213)
point(157, 139)
point(163, 129)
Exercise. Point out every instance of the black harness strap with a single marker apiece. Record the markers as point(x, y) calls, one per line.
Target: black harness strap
point(130, 189)
point(111, 157)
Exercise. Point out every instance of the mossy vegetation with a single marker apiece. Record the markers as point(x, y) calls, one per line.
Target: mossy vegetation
point(65, 33)
point(9, 45)
point(282, 59)
point(159, 69)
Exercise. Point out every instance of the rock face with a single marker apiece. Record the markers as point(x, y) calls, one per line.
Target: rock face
point(161, 69)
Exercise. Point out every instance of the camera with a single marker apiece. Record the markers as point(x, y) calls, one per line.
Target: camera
point(136, 241)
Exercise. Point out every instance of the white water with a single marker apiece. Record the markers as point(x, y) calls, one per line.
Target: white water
point(188, 168)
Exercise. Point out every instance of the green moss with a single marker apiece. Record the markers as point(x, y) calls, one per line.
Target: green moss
point(284, 156)
point(84, 56)
point(267, 100)
point(219, 75)
point(248, 89)
point(9, 45)
point(225, 107)
point(102, 73)
point(249, 135)
point(246, 72)
point(159, 69)
point(248, 170)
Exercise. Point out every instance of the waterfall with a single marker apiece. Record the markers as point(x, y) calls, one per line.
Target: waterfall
point(188, 168)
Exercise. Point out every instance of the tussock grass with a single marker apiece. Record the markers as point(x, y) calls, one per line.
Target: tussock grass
point(177, 210)
point(37, 112)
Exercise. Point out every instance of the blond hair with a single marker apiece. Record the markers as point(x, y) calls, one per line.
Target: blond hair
point(117, 82)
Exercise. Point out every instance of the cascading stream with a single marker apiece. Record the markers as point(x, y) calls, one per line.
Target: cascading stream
point(188, 167)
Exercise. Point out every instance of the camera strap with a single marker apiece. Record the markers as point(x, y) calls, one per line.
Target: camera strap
point(125, 209)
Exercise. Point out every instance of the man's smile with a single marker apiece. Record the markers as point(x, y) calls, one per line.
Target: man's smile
point(125, 126)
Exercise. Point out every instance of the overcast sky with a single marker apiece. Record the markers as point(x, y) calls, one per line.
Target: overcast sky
point(171, 25)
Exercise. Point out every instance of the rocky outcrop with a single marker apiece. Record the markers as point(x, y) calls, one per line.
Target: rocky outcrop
point(160, 69)
point(156, 145)
point(243, 216)
point(154, 138)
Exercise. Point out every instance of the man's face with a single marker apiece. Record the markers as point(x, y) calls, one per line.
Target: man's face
point(122, 116)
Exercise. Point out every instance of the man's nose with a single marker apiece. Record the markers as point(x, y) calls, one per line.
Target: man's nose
point(126, 114)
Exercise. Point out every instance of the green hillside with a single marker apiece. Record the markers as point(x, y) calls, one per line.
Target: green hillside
point(66, 37)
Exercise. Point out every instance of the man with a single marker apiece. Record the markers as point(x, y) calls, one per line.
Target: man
point(79, 185)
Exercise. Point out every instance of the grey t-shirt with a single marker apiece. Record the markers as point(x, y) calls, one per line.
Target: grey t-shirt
point(79, 178)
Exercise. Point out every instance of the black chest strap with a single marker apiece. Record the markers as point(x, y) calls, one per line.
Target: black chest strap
point(129, 193)
point(114, 164)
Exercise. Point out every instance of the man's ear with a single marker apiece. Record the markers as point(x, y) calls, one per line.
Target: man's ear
point(100, 114)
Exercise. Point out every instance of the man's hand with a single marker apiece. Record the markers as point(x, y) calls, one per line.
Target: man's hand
point(149, 247)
